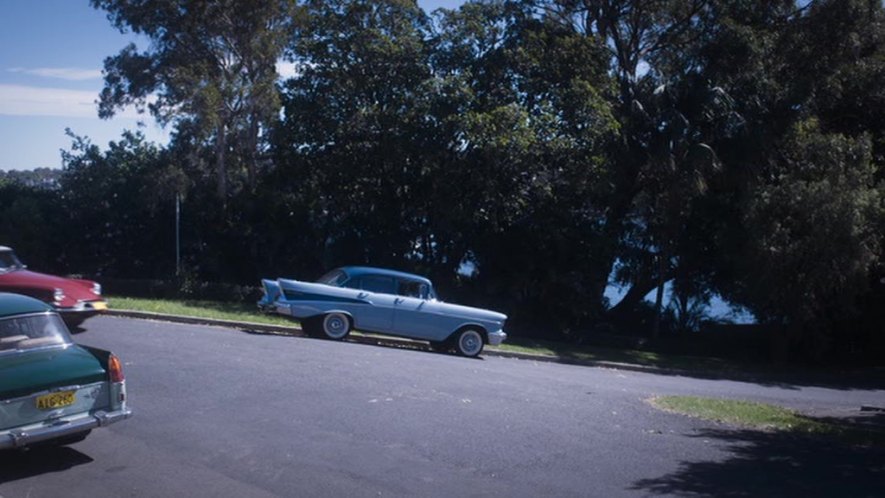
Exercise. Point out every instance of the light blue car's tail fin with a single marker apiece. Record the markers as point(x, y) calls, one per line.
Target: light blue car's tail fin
point(271, 293)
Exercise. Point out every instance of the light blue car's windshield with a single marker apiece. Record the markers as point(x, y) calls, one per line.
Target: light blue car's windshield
point(334, 277)
point(32, 331)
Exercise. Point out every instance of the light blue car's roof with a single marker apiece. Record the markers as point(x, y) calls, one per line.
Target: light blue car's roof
point(353, 271)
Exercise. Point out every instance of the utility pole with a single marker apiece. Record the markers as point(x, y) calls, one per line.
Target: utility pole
point(177, 234)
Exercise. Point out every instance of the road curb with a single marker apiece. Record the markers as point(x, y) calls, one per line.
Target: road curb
point(253, 327)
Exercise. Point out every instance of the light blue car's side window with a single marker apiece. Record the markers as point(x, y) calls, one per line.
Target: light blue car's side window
point(411, 288)
point(335, 277)
point(378, 283)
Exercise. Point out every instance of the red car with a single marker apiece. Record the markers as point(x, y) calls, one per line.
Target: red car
point(74, 300)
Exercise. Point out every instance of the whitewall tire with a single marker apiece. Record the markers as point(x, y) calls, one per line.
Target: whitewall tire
point(469, 343)
point(336, 326)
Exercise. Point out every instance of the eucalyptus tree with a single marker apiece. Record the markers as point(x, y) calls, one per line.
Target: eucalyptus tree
point(210, 71)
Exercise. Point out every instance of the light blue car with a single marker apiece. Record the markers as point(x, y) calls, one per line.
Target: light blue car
point(385, 302)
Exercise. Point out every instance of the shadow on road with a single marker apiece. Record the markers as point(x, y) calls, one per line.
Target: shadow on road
point(376, 340)
point(77, 329)
point(794, 379)
point(781, 464)
point(15, 465)
point(710, 368)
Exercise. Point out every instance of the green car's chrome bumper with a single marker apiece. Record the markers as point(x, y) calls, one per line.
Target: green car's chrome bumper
point(66, 426)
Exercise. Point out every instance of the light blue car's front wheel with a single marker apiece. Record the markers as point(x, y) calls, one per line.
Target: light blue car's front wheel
point(336, 326)
point(469, 343)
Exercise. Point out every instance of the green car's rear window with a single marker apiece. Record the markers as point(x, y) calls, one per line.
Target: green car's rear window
point(32, 331)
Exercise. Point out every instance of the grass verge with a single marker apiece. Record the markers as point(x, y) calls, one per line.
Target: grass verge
point(242, 312)
point(765, 417)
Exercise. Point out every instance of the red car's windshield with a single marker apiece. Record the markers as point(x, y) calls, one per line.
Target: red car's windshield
point(9, 262)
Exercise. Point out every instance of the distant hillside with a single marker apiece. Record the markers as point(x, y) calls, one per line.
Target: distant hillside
point(47, 178)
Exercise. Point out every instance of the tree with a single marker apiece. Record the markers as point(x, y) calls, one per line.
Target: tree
point(808, 241)
point(799, 199)
point(663, 157)
point(813, 236)
point(354, 135)
point(30, 224)
point(210, 71)
point(115, 208)
point(528, 116)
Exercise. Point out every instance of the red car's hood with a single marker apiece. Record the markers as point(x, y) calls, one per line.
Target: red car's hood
point(34, 280)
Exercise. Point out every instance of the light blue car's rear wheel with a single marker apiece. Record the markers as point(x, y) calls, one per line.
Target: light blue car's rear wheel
point(336, 326)
point(469, 343)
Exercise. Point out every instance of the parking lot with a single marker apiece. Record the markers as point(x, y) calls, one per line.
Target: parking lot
point(219, 412)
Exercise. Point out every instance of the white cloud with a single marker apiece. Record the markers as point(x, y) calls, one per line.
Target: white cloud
point(17, 100)
point(62, 73)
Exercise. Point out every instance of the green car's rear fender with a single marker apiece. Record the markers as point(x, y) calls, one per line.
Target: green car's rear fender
point(26, 372)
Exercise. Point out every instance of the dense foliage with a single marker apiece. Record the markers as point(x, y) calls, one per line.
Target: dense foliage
point(528, 155)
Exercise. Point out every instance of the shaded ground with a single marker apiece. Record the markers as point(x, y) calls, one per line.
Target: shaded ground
point(776, 464)
point(15, 465)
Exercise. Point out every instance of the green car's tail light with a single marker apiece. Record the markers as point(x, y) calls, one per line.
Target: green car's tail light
point(115, 369)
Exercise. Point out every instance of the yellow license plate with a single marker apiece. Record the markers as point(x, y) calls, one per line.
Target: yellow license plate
point(53, 401)
point(99, 306)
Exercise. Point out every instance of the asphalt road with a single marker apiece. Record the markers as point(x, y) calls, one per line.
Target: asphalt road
point(220, 412)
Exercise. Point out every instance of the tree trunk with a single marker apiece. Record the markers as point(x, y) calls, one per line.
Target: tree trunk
point(635, 294)
point(614, 225)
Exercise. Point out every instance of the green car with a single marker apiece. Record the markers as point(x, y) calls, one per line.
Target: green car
point(51, 390)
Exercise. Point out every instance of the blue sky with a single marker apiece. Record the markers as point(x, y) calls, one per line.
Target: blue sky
point(50, 75)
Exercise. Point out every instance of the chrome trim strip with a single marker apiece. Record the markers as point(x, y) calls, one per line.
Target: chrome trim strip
point(25, 315)
point(63, 345)
point(496, 338)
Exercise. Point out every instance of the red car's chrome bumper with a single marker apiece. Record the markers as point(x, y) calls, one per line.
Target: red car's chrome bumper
point(75, 315)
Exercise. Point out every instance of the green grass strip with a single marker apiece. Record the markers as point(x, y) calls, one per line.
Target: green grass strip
point(743, 413)
point(242, 312)
point(761, 416)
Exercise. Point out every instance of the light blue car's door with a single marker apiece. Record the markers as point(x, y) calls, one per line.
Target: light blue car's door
point(417, 317)
point(412, 319)
point(378, 292)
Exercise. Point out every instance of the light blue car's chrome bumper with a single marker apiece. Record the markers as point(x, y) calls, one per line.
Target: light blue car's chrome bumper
point(496, 338)
point(36, 433)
